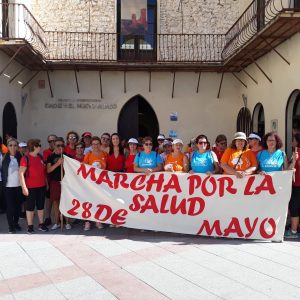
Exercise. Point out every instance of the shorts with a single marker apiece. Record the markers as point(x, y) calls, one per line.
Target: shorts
point(55, 190)
point(36, 198)
point(294, 204)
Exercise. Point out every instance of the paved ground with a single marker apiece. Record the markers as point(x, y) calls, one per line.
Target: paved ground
point(120, 263)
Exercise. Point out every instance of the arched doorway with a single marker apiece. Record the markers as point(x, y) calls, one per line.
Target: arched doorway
point(9, 121)
point(137, 119)
point(292, 119)
point(243, 122)
point(258, 119)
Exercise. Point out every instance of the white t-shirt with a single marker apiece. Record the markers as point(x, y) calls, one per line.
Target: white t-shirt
point(87, 150)
point(13, 173)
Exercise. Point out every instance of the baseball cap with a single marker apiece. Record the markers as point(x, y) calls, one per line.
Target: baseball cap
point(254, 136)
point(87, 134)
point(167, 143)
point(22, 145)
point(133, 141)
point(161, 137)
point(177, 141)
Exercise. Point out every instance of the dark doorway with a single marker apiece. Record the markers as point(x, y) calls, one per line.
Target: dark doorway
point(258, 119)
point(137, 119)
point(9, 121)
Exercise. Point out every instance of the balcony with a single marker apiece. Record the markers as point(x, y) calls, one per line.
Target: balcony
point(260, 29)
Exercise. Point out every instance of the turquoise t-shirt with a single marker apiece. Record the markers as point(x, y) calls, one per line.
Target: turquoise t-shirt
point(202, 162)
point(269, 162)
point(150, 160)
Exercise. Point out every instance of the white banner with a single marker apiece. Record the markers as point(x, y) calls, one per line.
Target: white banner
point(254, 207)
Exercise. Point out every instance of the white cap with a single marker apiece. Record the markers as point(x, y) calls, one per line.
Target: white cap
point(133, 141)
point(22, 144)
point(177, 141)
point(161, 137)
point(254, 136)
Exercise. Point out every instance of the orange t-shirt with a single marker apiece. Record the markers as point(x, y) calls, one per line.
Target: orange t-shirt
point(177, 162)
point(4, 149)
point(231, 157)
point(96, 160)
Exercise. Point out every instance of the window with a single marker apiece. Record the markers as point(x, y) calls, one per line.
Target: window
point(136, 30)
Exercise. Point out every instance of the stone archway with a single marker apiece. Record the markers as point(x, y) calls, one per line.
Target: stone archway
point(258, 119)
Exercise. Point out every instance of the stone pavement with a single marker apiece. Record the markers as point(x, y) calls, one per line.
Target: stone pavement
point(121, 263)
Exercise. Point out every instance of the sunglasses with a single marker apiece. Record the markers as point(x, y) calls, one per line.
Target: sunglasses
point(95, 144)
point(105, 138)
point(38, 145)
point(72, 138)
point(51, 141)
point(148, 144)
point(222, 143)
point(202, 143)
point(13, 145)
point(60, 145)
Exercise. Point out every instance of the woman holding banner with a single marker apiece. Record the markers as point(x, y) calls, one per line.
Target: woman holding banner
point(238, 160)
point(132, 144)
point(272, 158)
point(204, 160)
point(294, 205)
point(97, 158)
point(147, 161)
point(176, 161)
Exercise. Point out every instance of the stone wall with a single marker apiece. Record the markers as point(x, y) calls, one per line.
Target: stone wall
point(198, 16)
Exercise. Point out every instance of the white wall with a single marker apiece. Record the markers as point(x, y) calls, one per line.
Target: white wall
point(13, 93)
point(285, 79)
point(197, 113)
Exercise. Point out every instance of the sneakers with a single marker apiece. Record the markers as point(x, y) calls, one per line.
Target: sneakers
point(99, 225)
point(87, 226)
point(68, 226)
point(55, 226)
point(43, 227)
point(47, 222)
point(11, 230)
point(18, 227)
point(30, 229)
point(290, 235)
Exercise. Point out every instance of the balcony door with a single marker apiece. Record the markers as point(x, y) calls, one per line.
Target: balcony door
point(136, 26)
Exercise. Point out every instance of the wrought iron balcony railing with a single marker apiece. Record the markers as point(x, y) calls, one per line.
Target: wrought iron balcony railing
point(19, 24)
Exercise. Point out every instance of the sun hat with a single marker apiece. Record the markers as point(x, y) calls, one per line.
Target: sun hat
point(254, 136)
point(240, 136)
point(132, 141)
point(177, 141)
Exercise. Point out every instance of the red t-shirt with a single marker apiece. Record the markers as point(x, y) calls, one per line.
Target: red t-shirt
point(218, 153)
point(46, 154)
point(79, 159)
point(115, 164)
point(129, 163)
point(297, 171)
point(70, 151)
point(35, 175)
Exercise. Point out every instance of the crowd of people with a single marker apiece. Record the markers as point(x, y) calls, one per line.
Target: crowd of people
point(30, 179)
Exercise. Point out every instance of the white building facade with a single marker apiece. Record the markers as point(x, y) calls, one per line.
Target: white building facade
point(143, 67)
